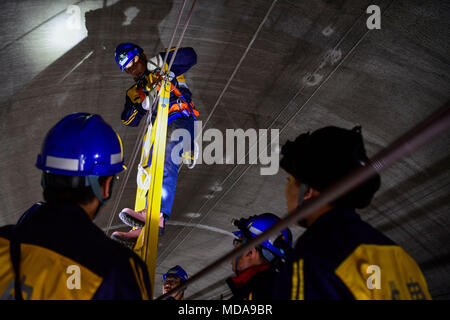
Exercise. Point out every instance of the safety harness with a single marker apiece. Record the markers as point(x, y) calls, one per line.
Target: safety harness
point(177, 110)
point(182, 108)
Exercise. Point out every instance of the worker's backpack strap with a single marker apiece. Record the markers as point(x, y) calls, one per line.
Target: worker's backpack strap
point(14, 251)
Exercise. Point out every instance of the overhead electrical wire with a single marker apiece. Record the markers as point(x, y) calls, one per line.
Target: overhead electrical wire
point(236, 68)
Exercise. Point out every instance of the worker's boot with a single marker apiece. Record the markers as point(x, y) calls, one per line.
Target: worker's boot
point(127, 238)
point(136, 219)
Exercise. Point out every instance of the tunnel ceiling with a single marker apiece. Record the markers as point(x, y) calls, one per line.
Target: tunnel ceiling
point(310, 64)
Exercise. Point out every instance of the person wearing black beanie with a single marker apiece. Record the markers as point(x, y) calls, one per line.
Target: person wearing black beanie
point(340, 256)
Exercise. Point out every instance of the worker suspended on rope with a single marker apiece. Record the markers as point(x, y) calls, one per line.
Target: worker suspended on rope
point(173, 278)
point(256, 269)
point(340, 256)
point(139, 100)
point(55, 251)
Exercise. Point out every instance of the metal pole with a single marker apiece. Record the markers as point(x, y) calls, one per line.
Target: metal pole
point(434, 125)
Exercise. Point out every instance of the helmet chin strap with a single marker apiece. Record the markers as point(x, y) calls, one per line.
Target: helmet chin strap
point(92, 181)
point(267, 254)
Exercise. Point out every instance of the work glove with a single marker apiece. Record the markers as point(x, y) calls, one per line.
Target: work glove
point(148, 99)
point(146, 105)
point(155, 64)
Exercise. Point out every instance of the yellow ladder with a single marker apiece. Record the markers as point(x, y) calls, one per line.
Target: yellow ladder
point(147, 243)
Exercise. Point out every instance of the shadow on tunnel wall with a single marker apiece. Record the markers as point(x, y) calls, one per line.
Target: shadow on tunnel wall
point(126, 21)
point(123, 21)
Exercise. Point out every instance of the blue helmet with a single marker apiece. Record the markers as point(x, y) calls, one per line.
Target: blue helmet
point(81, 144)
point(176, 271)
point(255, 225)
point(125, 52)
